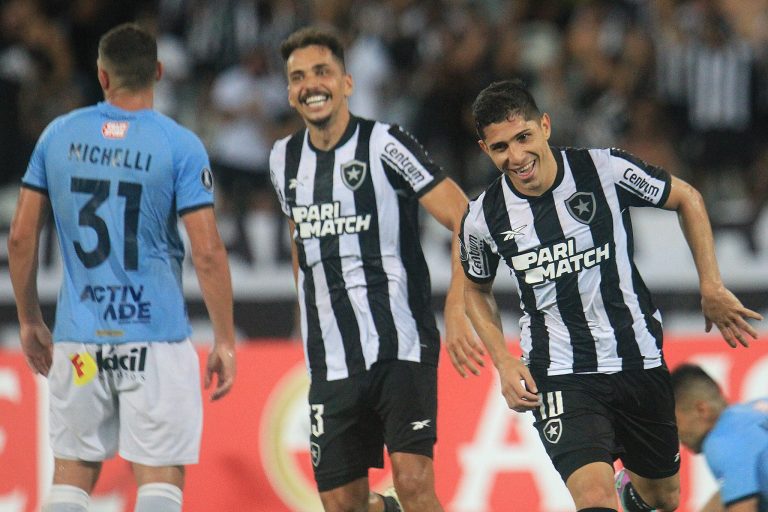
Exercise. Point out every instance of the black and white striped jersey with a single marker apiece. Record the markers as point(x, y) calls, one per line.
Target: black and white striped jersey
point(585, 306)
point(364, 287)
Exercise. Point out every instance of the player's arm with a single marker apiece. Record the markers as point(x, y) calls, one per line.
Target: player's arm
point(714, 504)
point(447, 204)
point(294, 253)
point(484, 312)
point(23, 242)
point(719, 305)
point(748, 505)
point(212, 268)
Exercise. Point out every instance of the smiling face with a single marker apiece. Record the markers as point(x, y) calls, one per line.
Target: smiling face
point(318, 86)
point(519, 148)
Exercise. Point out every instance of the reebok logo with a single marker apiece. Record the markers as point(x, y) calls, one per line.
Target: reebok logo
point(418, 425)
point(512, 233)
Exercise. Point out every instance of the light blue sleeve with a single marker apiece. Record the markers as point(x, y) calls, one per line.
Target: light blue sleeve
point(194, 180)
point(35, 176)
point(734, 461)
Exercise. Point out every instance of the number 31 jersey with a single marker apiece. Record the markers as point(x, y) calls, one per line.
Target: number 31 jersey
point(117, 182)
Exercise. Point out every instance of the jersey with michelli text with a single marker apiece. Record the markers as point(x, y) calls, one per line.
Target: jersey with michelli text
point(118, 181)
point(363, 282)
point(585, 306)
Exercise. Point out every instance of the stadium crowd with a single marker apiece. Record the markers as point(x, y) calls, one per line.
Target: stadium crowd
point(680, 83)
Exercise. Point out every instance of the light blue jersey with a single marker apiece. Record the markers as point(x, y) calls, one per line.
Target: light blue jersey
point(117, 181)
point(737, 452)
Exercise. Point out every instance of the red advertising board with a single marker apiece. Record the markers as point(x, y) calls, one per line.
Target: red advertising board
point(255, 455)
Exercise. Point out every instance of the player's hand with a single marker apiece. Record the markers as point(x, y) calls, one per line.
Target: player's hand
point(518, 386)
point(463, 346)
point(723, 309)
point(37, 344)
point(221, 361)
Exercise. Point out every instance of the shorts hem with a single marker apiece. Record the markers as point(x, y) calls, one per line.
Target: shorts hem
point(582, 457)
point(419, 449)
point(328, 483)
point(658, 475)
point(95, 458)
point(144, 461)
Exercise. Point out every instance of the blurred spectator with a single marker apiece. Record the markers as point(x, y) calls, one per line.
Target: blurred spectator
point(38, 80)
point(247, 105)
point(722, 108)
point(638, 73)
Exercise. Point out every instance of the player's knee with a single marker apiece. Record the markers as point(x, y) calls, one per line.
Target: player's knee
point(344, 501)
point(66, 498)
point(595, 496)
point(666, 501)
point(412, 484)
point(158, 497)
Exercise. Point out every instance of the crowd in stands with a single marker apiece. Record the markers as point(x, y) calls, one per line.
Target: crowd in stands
point(679, 83)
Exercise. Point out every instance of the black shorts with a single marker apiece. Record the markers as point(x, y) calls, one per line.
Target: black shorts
point(630, 415)
point(392, 404)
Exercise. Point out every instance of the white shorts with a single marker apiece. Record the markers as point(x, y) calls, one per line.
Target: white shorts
point(143, 398)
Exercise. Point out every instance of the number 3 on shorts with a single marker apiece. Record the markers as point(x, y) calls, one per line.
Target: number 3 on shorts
point(317, 419)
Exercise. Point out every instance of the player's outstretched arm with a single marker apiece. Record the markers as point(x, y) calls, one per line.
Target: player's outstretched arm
point(212, 267)
point(447, 203)
point(23, 241)
point(720, 307)
point(517, 384)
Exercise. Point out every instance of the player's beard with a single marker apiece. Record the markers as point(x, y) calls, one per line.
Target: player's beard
point(321, 123)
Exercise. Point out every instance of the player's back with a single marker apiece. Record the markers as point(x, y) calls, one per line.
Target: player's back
point(116, 180)
point(737, 451)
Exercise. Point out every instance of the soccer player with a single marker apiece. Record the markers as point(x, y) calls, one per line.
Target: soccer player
point(122, 371)
point(733, 439)
point(351, 188)
point(592, 370)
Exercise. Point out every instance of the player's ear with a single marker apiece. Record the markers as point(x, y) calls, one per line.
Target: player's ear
point(349, 85)
point(159, 71)
point(546, 125)
point(103, 77)
point(484, 147)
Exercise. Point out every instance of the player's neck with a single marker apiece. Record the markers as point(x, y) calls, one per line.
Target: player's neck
point(326, 136)
point(131, 100)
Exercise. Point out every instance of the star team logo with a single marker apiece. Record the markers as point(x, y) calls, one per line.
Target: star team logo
point(553, 430)
point(581, 206)
point(353, 173)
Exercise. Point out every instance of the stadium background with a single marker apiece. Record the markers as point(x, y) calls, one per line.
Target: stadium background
point(680, 83)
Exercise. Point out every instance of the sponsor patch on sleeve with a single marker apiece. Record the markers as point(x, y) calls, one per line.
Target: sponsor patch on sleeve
point(642, 184)
point(206, 178)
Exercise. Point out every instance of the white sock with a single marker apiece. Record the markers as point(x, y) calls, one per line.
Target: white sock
point(158, 497)
point(66, 498)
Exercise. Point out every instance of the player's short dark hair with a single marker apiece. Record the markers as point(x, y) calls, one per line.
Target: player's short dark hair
point(503, 100)
point(309, 36)
point(130, 52)
point(688, 378)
